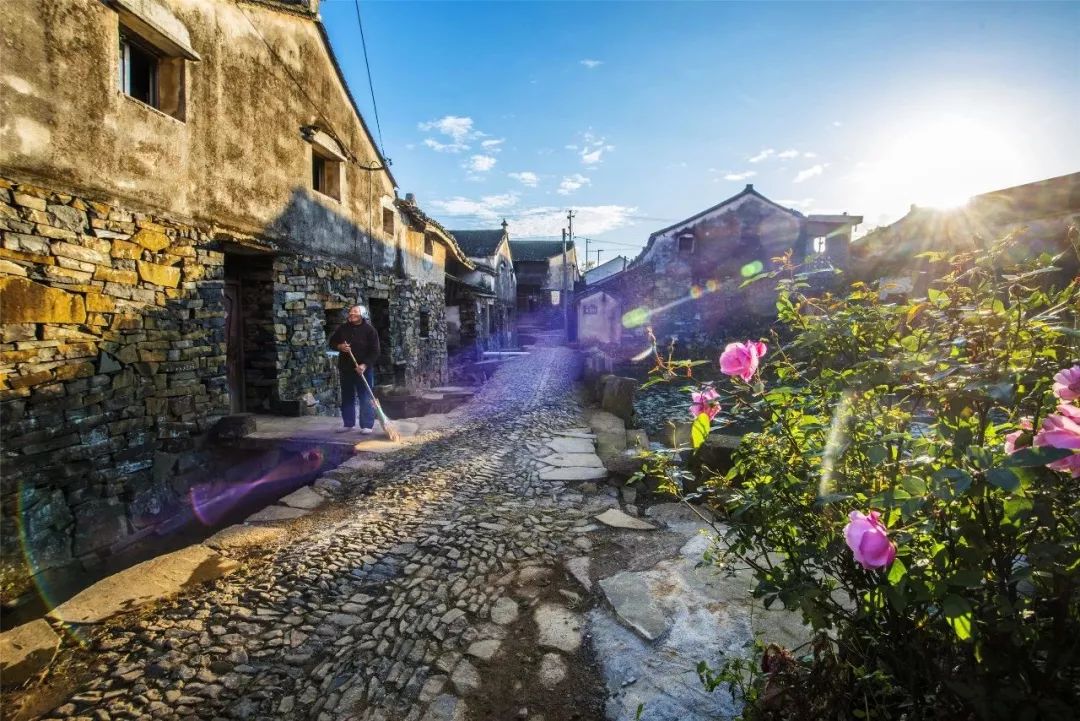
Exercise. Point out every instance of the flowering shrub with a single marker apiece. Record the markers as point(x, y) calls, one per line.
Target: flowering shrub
point(901, 500)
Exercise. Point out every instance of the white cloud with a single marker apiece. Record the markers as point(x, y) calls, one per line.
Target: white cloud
point(789, 153)
point(492, 146)
point(592, 148)
point(809, 155)
point(590, 220)
point(810, 172)
point(763, 155)
point(544, 221)
point(571, 183)
point(804, 203)
point(480, 163)
point(740, 176)
point(459, 130)
point(483, 210)
point(836, 123)
point(591, 64)
point(526, 177)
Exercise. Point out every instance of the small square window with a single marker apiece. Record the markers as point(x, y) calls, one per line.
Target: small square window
point(429, 245)
point(686, 244)
point(819, 245)
point(388, 221)
point(425, 324)
point(325, 175)
point(150, 75)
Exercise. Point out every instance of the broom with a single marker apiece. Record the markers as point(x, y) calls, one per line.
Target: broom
point(387, 426)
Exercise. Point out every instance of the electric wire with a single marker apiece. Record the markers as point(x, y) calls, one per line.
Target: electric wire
point(371, 85)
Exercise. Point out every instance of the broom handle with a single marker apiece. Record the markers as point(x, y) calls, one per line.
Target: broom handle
point(363, 378)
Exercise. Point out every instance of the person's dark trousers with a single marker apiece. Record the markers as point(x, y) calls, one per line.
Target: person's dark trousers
point(352, 390)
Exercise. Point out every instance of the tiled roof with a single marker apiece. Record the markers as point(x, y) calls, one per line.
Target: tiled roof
point(615, 265)
point(420, 219)
point(534, 250)
point(478, 243)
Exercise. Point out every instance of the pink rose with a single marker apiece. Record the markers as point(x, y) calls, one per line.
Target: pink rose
point(1062, 430)
point(1012, 438)
point(705, 402)
point(868, 539)
point(741, 359)
point(1067, 384)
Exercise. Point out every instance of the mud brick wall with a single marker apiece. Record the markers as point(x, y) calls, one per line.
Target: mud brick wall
point(112, 365)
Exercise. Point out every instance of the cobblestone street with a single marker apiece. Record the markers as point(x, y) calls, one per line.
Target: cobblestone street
point(436, 595)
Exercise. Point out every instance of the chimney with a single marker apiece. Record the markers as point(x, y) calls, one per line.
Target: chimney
point(749, 186)
point(410, 198)
point(504, 225)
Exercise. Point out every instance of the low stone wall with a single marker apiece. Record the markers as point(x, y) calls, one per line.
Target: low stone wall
point(113, 362)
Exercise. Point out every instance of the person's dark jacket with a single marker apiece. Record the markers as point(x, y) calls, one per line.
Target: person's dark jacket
point(364, 340)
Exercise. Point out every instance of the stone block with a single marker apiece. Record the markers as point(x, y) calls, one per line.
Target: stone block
point(618, 397)
point(98, 303)
point(114, 275)
point(26, 650)
point(9, 268)
point(78, 252)
point(28, 201)
point(24, 301)
point(99, 524)
point(126, 250)
point(157, 274)
point(152, 240)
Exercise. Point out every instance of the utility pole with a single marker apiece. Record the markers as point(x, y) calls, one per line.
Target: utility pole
point(562, 295)
point(598, 252)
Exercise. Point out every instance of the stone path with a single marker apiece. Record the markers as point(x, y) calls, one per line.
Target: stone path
point(431, 590)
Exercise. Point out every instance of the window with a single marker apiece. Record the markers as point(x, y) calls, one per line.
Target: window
point(429, 245)
point(819, 245)
point(686, 243)
point(388, 221)
point(425, 324)
point(149, 75)
point(325, 174)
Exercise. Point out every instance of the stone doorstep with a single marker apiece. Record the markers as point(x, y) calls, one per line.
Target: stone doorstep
point(276, 513)
point(574, 460)
point(144, 583)
point(26, 650)
point(573, 474)
point(617, 519)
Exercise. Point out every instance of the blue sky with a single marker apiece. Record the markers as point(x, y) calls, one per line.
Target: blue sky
point(640, 114)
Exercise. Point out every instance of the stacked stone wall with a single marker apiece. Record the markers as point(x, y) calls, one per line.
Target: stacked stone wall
point(112, 367)
point(113, 362)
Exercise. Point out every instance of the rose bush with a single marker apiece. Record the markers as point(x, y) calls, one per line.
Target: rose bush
point(898, 500)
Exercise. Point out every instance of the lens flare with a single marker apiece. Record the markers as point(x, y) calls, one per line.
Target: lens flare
point(211, 502)
point(636, 318)
point(696, 292)
point(751, 269)
point(712, 285)
point(834, 445)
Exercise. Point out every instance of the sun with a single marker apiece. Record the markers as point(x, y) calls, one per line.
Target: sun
point(939, 159)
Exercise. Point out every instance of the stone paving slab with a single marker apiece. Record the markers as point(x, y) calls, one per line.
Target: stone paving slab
point(25, 650)
point(148, 581)
point(305, 498)
point(630, 596)
point(558, 627)
point(271, 514)
point(571, 445)
point(573, 474)
point(617, 519)
point(573, 460)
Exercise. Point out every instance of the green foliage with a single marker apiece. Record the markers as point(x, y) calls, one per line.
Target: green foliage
point(903, 408)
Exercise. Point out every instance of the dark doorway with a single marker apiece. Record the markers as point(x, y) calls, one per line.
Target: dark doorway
point(251, 344)
point(234, 345)
point(380, 318)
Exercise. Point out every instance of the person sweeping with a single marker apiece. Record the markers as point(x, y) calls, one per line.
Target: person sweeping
point(357, 343)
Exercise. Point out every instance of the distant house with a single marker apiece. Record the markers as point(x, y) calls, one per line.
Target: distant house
point(615, 265)
point(686, 282)
point(540, 267)
point(482, 303)
point(1044, 210)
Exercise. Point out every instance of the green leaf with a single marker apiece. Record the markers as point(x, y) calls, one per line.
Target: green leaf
point(1004, 478)
point(913, 485)
point(967, 578)
point(951, 482)
point(1028, 457)
point(897, 572)
point(700, 430)
point(958, 614)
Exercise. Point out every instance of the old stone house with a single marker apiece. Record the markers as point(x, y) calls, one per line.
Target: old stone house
point(686, 282)
point(189, 199)
point(482, 302)
point(1042, 211)
point(543, 272)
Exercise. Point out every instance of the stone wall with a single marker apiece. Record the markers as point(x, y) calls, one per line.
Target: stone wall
point(113, 360)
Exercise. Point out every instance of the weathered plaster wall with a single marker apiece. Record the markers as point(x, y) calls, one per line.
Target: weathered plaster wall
point(237, 160)
point(599, 319)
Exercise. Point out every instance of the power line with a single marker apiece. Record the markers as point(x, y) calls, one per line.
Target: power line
point(371, 85)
